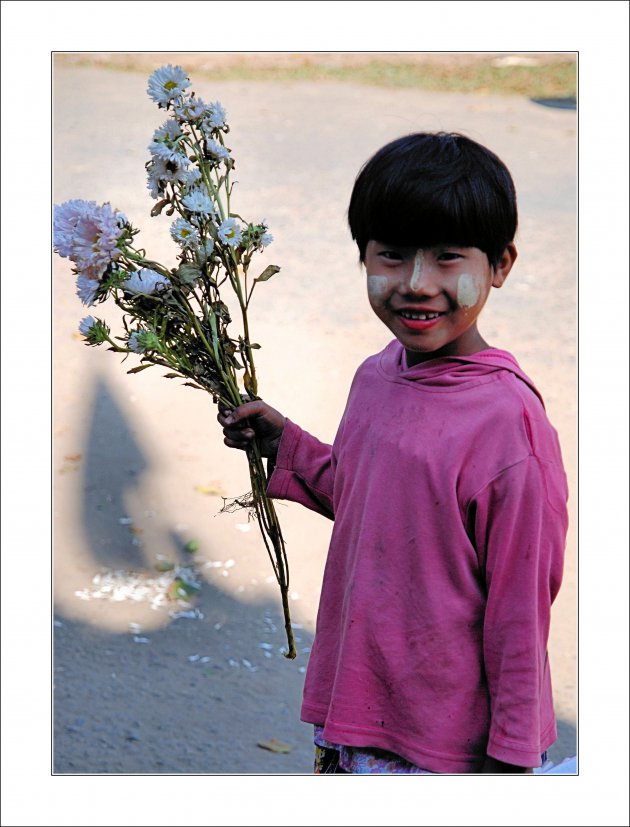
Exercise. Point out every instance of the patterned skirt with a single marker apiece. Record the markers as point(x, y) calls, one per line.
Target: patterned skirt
point(333, 758)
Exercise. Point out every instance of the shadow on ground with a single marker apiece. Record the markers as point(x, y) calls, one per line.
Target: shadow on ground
point(194, 695)
point(171, 700)
point(198, 694)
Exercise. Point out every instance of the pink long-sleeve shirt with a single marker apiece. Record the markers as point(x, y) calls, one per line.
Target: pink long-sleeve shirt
point(448, 494)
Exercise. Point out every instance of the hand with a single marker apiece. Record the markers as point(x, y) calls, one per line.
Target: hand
point(252, 419)
point(493, 765)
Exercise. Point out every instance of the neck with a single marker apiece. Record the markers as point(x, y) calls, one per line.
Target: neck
point(462, 347)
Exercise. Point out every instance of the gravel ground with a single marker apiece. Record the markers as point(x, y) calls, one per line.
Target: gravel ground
point(136, 459)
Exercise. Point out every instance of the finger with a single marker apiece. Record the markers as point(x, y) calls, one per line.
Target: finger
point(236, 430)
point(239, 434)
point(224, 417)
point(246, 410)
point(240, 439)
point(242, 446)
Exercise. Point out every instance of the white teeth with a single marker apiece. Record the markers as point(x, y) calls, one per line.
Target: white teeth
point(408, 314)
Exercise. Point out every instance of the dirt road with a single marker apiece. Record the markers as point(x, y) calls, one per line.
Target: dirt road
point(146, 686)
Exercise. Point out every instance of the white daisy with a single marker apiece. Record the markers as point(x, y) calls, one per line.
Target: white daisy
point(198, 201)
point(145, 282)
point(166, 84)
point(230, 233)
point(165, 152)
point(86, 290)
point(184, 233)
point(217, 150)
point(162, 172)
point(217, 115)
point(169, 130)
point(189, 109)
point(192, 177)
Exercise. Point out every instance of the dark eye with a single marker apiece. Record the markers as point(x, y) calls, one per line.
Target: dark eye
point(390, 255)
point(449, 256)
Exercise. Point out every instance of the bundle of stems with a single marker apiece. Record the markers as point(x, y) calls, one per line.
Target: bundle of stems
point(178, 318)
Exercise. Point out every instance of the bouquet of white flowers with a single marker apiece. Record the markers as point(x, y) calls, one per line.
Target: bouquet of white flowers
point(178, 318)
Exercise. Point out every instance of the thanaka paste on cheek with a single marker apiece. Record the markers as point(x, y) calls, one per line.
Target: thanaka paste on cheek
point(467, 291)
point(378, 287)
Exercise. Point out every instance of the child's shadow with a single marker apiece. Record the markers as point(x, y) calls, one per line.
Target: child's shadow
point(113, 467)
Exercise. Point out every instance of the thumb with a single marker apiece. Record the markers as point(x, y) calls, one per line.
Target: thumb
point(245, 411)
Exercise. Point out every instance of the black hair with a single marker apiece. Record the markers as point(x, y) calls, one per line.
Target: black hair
point(427, 189)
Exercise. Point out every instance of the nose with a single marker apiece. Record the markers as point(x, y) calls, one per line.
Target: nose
point(421, 279)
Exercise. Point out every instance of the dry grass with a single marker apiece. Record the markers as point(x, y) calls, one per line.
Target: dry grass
point(531, 74)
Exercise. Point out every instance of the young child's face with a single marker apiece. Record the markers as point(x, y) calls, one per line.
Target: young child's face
point(430, 298)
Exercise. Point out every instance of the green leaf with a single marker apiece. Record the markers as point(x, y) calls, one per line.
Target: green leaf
point(268, 272)
point(188, 273)
point(191, 546)
point(139, 368)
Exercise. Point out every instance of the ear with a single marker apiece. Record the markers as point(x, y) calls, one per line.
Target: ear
point(501, 271)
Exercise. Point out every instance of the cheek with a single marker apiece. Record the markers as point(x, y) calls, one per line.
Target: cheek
point(378, 288)
point(468, 291)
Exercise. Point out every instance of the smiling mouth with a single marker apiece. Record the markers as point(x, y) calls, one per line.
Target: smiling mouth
point(414, 315)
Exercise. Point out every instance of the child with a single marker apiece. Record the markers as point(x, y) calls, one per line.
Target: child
point(446, 486)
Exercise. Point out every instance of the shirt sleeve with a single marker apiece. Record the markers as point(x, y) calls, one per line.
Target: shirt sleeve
point(520, 521)
point(304, 471)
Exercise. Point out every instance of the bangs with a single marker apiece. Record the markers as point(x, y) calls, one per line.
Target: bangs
point(424, 190)
point(418, 216)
